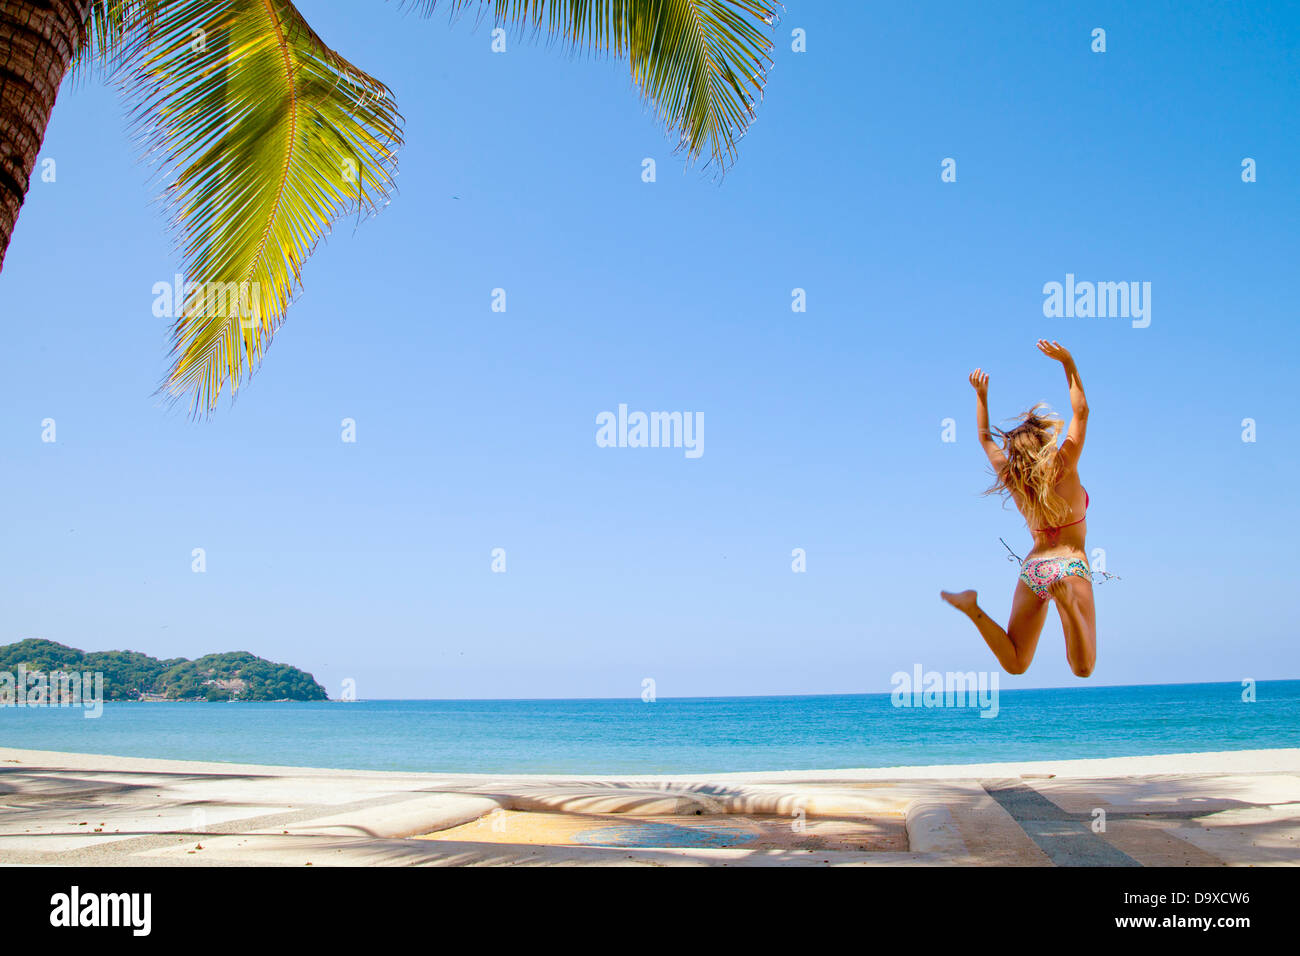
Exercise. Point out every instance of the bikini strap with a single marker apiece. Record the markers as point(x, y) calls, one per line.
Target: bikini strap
point(1086, 502)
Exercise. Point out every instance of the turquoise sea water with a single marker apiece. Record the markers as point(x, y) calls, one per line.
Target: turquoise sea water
point(676, 735)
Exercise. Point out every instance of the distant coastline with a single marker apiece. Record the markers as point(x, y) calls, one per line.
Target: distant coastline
point(130, 676)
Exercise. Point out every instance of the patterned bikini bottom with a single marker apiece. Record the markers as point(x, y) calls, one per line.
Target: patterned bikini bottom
point(1041, 573)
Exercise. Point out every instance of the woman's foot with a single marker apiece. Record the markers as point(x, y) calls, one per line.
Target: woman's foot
point(963, 601)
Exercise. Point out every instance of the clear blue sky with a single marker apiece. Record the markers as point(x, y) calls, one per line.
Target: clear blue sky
point(476, 429)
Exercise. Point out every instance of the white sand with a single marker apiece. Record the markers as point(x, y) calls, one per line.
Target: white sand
point(1234, 808)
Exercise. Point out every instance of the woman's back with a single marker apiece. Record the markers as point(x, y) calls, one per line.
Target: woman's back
point(1071, 533)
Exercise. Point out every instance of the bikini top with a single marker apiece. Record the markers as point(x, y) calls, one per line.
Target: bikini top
point(1086, 501)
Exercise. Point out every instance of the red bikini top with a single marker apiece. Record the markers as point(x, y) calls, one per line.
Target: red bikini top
point(1086, 501)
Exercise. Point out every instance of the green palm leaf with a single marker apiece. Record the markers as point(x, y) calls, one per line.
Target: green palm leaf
point(702, 64)
point(265, 137)
point(108, 26)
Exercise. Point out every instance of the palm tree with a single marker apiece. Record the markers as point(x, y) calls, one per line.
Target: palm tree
point(264, 136)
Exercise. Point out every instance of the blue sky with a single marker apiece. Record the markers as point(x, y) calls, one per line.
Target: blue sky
point(476, 429)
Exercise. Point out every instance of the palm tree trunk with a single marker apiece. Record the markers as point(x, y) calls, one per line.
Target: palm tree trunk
point(37, 40)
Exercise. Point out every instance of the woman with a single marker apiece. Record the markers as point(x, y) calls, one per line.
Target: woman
point(1043, 481)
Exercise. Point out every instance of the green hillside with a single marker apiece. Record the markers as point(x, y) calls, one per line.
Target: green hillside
point(130, 675)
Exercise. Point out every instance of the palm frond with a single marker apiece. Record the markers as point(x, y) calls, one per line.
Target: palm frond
point(265, 137)
point(702, 64)
point(107, 28)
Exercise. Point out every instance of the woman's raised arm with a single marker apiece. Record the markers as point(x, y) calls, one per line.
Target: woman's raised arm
point(979, 381)
point(1072, 447)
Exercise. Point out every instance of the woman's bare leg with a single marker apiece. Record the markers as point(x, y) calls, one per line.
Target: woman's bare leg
point(1014, 648)
point(1073, 597)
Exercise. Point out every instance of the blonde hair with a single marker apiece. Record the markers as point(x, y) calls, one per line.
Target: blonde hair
point(1032, 469)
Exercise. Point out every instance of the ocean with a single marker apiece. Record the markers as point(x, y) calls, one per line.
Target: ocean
point(676, 735)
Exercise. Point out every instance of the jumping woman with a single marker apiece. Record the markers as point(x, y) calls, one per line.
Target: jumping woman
point(1043, 481)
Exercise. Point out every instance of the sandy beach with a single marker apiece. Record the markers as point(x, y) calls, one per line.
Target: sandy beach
point(1237, 808)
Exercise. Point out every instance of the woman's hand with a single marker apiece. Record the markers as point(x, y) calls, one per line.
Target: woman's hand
point(980, 382)
point(1055, 350)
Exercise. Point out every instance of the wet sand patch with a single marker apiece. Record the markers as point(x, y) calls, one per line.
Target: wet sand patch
point(879, 832)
